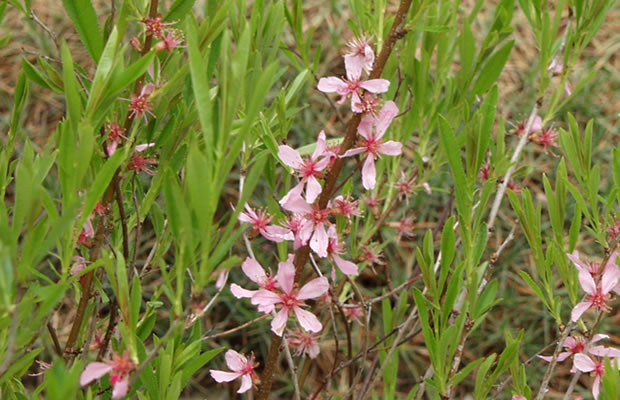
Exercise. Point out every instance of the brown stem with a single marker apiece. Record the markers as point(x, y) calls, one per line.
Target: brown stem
point(301, 256)
point(108, 333)
point(54, 337)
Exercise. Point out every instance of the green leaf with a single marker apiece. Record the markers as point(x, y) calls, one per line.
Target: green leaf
point(39, 78)
point(20, 365)
point(74, 103)
point(100, 184)
point(131, 74)
point(492, 69)
point(85, 21)
point(178, 9)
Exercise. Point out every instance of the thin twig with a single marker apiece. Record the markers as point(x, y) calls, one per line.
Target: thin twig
point(54, 337)
point(236, 329)
point(291, 365)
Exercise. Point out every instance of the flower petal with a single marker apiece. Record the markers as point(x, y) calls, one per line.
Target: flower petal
point(319, 240)
point(279, 322)
point(610, 277)
point(313, 189)
point(365, 127)
point(286, 275)
point(587, 283)
point(376, 85)
point(235, 361)
point(320, 146)
point(240, 292)
point(277, 233)
point(598, 337)
point(579, 309)
point(313, 289)
point(347, 267)
point(120, 388)
point(93, 371)
point(293, 201)
point(331, 84)
point(290, 156)
point(224, 376)
point(391, 148)
point(253, 270)
point(386, 115)
point(353, 152)
point(265, 300)
point(246, 384)
point(369, 173)
point(584, 363)
point(307, 320)
point(353, 65)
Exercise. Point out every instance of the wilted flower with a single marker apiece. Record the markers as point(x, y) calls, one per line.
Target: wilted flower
point(547, 138)
point(344, 206)
point(360, 56)
point(241, 367)
point(115, 137)
point(172, 39)
point(139, 163)
point(304, 343)
point(260, 224)
point(519, 128)
point(119, 369)
point(155, 26)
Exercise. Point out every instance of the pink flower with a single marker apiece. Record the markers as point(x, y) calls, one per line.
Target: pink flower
point(291, 299)
point(598, 292)
point(556, 67)
point(155, 26)
point(352, 86)
point(139, 105)
point(241, 367)
point(309, 169)
point(256, 273)
point(172, 39)
point(575, 345)
point(119, 369)
point(222, 278)
point(260, 224)
point(537, 126)
point(371, 256)
point(585, 364)
point(485, 172)
point(359, 57)
point(372, 130)
point(87, 233)
point(305, 343)
point(517, 397)
point(334, 248)
point(139, 163)
point(344, 206)
point(312, 225)
point(614, 231)
point(115, 137)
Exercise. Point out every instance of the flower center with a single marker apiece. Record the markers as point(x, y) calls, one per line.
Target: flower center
point(289, 300)
point(319, 216)
point(308, 168)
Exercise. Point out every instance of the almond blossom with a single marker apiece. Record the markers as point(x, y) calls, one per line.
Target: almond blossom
point(547, 138)
point(372, 130)
point(260, 224)
point(360, 56)
point(334, 248)
point(119, 369)
point(309, 169)
point(519, 128)
point(305, 343)
point(312, 225)
point(597, 367)
point(291, 299)
point(115, 137)
point(241, 367)
point(575, 345)
point(597, 291)
point(257, 274)
point(139, 104)
point(352, 86)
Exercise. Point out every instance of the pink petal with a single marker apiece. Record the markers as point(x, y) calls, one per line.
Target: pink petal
point(331, 84)
point(546, 358)
point(307, 320)
point(537, 126)
point(323, 162)
point(313, 189)
point(246, 384)
point(93, 371)
point(579, 309)
point(142, 147)
point(313, 289)
point(222, 277)
point(602, 351)
point(353, 152)
point(253, 270)
point(369, 173)
point(305, 232)
point(235, 361)
point(586, 281)
point(265, 300)
point(279, 322)
point(356, 103)
point(376, 85)
point(331, 231)
point(598, 337)
point(574, 257)
point(320, 146)
point(347, 267)
point(365, 127)
point(610, 277)
point(224, 376)
point(290, 156)
point(570, 342)
point(353, 65)
point(387, 114)
point(391, 148)
point(243, 217)
point(313, 350)
point(293, 201)
point(583, 363)
point(240, 292)
point(111, 147)
point(569, 90)
point(319, 241)
point(277, 233)
point(596, 385)
point(120, 388)
point(286, 275)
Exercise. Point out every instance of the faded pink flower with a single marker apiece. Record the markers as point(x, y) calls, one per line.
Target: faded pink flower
point(260, 224)
point(614, 230)
point(547, 138)
point(304, 343)
point(241, 367)
point(257, 274)
point(519, 128)
point(312, 225)
point(597, 368)
point(371, 256)
point(222, 278)
point(597, 291)
point(352, 87)
point(115, 137)
point(309, 169)
point(139, 105)
point(334, 248)
point(139, 163)
point(360, 56)
point(344, 206)
point(155, 26)
point(291, 299)
point(485, 172)
point(354, 313)
point(556, 67)
point(372, 130)
point(87, 233)
point(405, 187)
point(171, 39)
point(119, 369)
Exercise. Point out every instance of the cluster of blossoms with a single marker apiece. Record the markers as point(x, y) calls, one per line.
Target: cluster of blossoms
point(119, 368)
point(598, 283)
point(545, 137)
point(308, 222)
point(169, 38)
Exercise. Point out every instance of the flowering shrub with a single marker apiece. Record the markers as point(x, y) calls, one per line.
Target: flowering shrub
point(397, 253)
